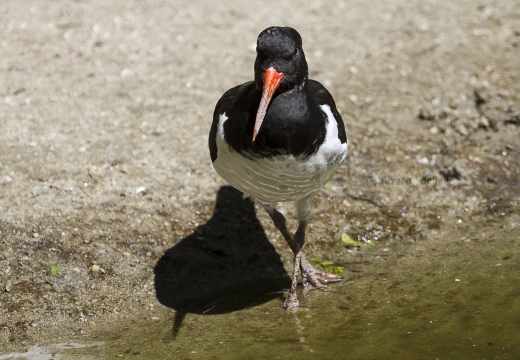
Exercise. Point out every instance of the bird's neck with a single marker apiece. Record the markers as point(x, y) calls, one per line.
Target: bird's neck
point(290, 106)
point(285, 128)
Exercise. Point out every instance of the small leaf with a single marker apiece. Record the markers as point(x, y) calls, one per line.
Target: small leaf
point(338, 270)
point(327, 263)
point(54, 270)
point(316, 260)
point(349, 241)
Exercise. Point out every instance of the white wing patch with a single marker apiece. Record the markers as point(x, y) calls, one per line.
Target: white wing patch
point(284, 177)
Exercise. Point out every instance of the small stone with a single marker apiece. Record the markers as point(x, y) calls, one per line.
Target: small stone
point(476, 159)
point(434, 130)
point(426, 114)
point(428, 175)
point(36, 191)
point(513, 119)
point(95, 268)
point(126, 72)
point(127, 255)
point(123, 168)
point(463, 130)
point(447, 142)
point(141, 191)
point(8, 287)
point(423, 161)
point(484, 122)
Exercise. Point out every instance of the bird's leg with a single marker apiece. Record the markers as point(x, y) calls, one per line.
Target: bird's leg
point(281, 224)
point(292, 297)
point(310, 275)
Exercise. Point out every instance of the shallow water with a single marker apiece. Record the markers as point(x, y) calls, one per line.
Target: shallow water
point(458, 301)
point(439, 299)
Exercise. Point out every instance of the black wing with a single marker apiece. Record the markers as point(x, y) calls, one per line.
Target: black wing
point(222, 106)
point(323, 97)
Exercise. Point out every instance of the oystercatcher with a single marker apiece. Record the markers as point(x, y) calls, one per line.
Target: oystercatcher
point(279, 139)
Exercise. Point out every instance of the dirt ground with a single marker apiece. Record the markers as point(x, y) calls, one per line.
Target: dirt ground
point(106, 187)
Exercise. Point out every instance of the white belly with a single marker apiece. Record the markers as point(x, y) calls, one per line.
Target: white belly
point(284, 177)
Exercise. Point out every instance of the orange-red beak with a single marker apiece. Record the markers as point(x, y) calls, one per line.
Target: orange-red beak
point(272, 79)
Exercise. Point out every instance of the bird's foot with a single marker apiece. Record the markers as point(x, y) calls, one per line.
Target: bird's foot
point(316, 278)
point(292, 301)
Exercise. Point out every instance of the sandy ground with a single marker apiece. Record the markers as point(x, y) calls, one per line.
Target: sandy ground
point(106, 186)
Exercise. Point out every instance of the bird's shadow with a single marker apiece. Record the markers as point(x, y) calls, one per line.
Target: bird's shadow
point(227, 264)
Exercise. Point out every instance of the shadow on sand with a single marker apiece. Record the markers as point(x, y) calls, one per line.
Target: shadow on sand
point(226, 265)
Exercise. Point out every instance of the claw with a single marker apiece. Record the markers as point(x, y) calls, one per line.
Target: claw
point(316, 278)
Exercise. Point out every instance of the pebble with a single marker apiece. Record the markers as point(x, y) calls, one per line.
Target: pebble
point(423, 161)
point(484, 122)
point(127, 255)
point(8, 287)
point(428, 175)
point(463, 130)
point(426, 114)
point(95, 268)
point(126, 72)
point(141, 191)
point(123, 168)
point(447, 142)
point(36, 191)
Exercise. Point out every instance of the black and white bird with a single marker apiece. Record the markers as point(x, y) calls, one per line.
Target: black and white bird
point(279, 139)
